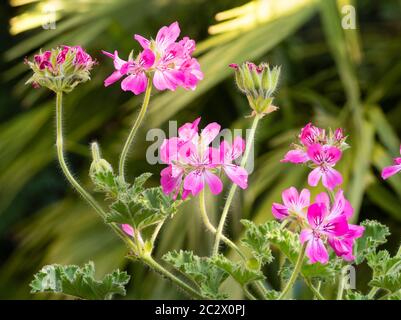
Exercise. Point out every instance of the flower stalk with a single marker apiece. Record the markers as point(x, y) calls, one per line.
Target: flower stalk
point(294, 275)
point(231, 193)
point(134, 130)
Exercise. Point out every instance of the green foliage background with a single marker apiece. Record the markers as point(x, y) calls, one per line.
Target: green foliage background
point(334, 77)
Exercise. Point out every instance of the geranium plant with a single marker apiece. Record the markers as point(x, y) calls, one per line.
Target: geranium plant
point(314, 237)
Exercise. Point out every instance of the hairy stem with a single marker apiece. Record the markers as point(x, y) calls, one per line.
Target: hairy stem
point(211, 228)
point(157, 267)
point(231, 193)
point(64, 167)
point(134, 130)
point(293, 278)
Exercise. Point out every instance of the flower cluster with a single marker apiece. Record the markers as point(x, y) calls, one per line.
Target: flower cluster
point(389, 171)
point(321, 223)
point(168, 60)
point(193, 163)
point(321, 151)
point(61, 69)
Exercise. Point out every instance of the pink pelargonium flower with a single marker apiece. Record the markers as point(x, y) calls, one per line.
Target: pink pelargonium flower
point(294, 204)
point(322, 225)
point(330, 223)
point(223, 158)
point(309, 135)
point(43, 60)
point(324, 158)
point(389, 171)
point(174, 65)
point(194, 164)
point(135, 70)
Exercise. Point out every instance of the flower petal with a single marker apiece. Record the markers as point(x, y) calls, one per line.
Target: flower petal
point(290, 197)
point(237, 174)
point(316, 214)
point(128, 229)
point(279, 211)
point(145, 43)
point(147, 58)
point(115, 76)
point(209, 133)
point(296, 156)
point(331, 178)
point(167, 35)
point(323, 198)
point(213, 181)
point(135, 83)
point(316, 251)
point(387, 172)
point(194, 182)
point(314, 177)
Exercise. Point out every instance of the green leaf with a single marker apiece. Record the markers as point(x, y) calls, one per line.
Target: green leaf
point(79, 282)
point(200, 270)
point(239, 272)
point(374, 235)
point(256, 240)
point(355, 295)
point(386, 271)
point(272, 294)
point(106, 182)
point(137, 206)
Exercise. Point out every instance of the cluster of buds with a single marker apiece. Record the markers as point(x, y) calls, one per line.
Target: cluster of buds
point(60, 69)
point(258, 83)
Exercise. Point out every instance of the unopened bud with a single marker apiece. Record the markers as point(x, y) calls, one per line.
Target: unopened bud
point(99, 165)
point(258, 83)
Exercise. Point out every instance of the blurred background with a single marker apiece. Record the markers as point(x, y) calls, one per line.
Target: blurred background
point(330, 75)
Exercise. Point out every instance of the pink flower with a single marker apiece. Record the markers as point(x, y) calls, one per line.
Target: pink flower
point(329, 224)
point(392, 170)
point(324, 158)
point(193, 164)
point(294, 204)
point(322, 225)
point(225, 156)
point(43, 60)
point(135, 70)
point(309, 135)
point(174, 65)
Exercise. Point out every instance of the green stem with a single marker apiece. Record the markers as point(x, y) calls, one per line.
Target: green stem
point(293, 278)
point(157, 267)
point(64, 167)
point(340, 287)
point(134, 130)
point(205, 218)
point(212, 229)
point(372, 293)
point(249, 145)
point(315, 291)
point(248, 294)
point(156, 231)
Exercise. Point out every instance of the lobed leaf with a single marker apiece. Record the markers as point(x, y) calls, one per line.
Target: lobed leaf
point(79, 282)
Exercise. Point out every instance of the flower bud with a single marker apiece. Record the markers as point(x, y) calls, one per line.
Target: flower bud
point(60, 69)
point(258, 83)
point(99, 166)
